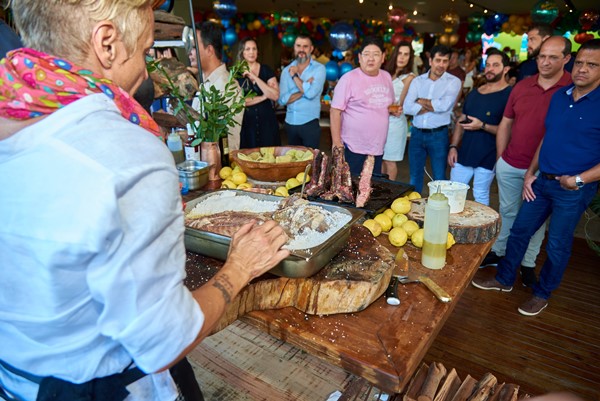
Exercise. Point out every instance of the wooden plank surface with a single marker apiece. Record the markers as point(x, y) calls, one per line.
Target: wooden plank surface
point(383, 344)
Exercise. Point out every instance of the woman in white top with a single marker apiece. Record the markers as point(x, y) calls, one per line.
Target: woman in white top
point(400, 67)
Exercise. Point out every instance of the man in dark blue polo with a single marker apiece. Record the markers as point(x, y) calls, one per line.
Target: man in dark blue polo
point(569, 169)
point(430, 100)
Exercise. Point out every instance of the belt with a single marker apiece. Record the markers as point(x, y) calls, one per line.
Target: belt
point(430, 130)
point(549, 176)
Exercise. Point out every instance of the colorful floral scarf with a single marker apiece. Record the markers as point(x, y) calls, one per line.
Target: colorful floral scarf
point(34, 84)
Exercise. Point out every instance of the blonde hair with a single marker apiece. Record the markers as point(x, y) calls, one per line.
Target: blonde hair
point(63, 28)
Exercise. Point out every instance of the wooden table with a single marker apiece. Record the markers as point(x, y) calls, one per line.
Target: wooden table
point(383, 344)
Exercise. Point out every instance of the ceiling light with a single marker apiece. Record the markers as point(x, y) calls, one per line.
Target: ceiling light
point(471, 5)
point(391, 6)
point(360, 1)
point(485, 11)
point(415, 12)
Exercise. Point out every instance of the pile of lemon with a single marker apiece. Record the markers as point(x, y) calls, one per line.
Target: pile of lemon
point(291, 183)
point(234, 178)
point(398, 227)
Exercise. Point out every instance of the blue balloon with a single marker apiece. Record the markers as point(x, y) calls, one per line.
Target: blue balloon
point(345, 67)
point(332, 71)
point(226, 9)
point(342, 36)
point(229, 36)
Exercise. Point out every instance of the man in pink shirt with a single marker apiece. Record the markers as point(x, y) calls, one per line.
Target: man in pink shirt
point(359, 110)
point(519, 135)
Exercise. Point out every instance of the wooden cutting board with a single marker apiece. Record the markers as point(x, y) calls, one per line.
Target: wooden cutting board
point(476, 224)
point(353, 280)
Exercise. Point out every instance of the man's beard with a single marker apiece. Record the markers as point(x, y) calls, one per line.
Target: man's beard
point(534, 53)
point(302, 58)
point(495, 78)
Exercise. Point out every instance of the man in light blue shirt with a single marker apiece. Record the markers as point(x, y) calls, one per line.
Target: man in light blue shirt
point(430, 100)
point(300, 90)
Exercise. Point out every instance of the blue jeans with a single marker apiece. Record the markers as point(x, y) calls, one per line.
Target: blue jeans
point(421, 144)
point(566, 208)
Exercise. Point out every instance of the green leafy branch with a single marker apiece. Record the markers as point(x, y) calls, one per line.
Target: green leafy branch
point(219, 108)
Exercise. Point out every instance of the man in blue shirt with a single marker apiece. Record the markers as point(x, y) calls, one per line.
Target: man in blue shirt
point(300, 90)
point(430, 100)
point(569, 169)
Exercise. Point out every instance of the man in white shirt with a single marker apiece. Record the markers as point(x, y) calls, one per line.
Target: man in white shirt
point(430, 100)
point(214, 71)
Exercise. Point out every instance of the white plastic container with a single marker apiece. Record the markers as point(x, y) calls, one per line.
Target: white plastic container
point(456, 192)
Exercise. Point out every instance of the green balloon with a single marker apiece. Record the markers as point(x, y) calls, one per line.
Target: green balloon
point(288, 39)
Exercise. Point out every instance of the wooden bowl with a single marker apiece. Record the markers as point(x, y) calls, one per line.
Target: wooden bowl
point(271, 172)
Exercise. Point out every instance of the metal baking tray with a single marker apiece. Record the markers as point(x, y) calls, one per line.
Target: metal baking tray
point(300, 263)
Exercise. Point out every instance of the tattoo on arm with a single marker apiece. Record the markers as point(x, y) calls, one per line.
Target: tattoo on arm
point(223, 284)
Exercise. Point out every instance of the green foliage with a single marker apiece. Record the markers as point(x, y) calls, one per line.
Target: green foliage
point(218, 109)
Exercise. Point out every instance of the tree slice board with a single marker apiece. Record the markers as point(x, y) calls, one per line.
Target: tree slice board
point(477, 223)
point(353, 280)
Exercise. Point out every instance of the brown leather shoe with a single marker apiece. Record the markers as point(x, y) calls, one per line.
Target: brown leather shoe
point(490, 284)
point(533, 306)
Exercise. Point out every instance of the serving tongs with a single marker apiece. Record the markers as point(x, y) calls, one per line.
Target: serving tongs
point(304, 180)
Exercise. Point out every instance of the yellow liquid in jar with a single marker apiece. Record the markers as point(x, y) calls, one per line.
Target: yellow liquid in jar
point(433, 255)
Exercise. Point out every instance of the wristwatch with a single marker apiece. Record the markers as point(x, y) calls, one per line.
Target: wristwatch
point(295, 76)
point(579, 182)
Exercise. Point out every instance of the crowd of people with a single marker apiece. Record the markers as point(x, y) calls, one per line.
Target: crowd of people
point(85, 276)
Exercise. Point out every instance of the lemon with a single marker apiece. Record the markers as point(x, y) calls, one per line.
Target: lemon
point(399, 219)
point(238, 178)
point(410, 227)
point(397, 236)
point(282, 191)
point(417, 238)
point(414, 195)
point(228, 184)
point(373, 226)
point(233, 164)
point(384, 221)
point(292, 183)
point(390, 213)
point(237, 169)
point(244, 185)
point(401, 205)
point(225, 172)
point(300, 177)
point(450, 241)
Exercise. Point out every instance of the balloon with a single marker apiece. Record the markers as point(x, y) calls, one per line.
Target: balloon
point(229, 36)
point(544, 12)
point(396, 17)
point(342, 36)
point(225, 9)
point(450, 20)
point(289, 17)
point(332, 71)
point(453, 39)
point(444, 39)
point(473, 37)
point(345, 67)
point(476, 21)
point(288, 39)
point(588, 19)
point(397, 38)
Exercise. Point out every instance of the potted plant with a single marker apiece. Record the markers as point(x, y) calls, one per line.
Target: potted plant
point(217, 111)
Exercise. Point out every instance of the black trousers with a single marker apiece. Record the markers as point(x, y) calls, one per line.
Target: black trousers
point(308, 134)
point(184, 377)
